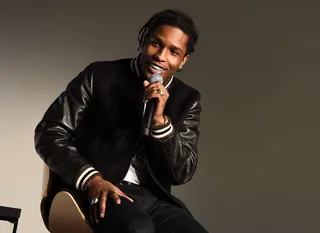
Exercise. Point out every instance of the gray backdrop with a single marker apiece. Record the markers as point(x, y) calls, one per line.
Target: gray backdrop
point(256, 65)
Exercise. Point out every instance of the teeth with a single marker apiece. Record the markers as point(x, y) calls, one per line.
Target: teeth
point(156, 67)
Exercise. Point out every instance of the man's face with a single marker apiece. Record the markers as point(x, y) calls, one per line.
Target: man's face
point(164, 52)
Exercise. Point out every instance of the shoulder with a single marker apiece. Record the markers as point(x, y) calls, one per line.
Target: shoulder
point(184, 96)
point(101, 67)
point(182, 89)
point(108, 72)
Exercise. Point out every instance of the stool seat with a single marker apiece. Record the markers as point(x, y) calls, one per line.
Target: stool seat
point(66, 215)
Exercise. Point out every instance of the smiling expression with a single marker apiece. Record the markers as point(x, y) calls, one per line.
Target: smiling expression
point(164, 52)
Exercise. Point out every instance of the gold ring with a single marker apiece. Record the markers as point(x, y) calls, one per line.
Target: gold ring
point(160, 91)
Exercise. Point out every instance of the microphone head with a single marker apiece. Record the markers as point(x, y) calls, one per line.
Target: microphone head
point(156, 78)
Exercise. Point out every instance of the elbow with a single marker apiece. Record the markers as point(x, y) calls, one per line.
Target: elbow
point(185, 172)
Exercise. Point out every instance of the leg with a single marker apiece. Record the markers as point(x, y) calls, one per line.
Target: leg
point(172, 219)
point(124, 218)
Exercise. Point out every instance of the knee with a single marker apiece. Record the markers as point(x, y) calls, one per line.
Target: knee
point(141, 224)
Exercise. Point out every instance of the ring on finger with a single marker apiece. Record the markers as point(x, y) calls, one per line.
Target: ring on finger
point(160, 91)
point(94, 201)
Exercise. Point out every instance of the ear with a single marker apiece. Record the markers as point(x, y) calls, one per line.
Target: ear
point(184, 60)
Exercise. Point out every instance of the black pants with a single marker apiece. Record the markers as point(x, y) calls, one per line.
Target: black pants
point(147, 214)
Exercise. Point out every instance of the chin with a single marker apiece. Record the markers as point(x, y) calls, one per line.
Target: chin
point(147, 75)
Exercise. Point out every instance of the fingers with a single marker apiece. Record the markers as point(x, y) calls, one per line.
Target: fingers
point(145, 83)
point(100, 207)
point(155, 91)
point(102, 204)
point(91, 214)
point(155, 85)
point(158, 93)
point(97, 208)
point(122, 194)
point(94, 211)
point(115, 197)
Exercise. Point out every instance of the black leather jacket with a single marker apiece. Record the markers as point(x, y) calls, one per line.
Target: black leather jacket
point(96, 122)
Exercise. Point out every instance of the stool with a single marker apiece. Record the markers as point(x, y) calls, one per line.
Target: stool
point(11, 215)
point(67, 216)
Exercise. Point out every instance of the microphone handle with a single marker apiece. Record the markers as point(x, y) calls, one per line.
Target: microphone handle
point(149, 111)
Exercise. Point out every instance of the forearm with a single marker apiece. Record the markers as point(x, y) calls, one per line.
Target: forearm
point(175, 149)
point(176, 162)
point(55, 146)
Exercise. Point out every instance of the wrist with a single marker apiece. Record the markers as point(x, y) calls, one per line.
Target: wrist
point(96, 178)
point(160, 120)
point(86, 173)
point(163, 130)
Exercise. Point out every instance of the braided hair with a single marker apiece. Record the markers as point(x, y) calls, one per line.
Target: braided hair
point(173, 18)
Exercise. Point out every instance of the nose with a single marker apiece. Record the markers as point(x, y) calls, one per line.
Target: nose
point(160, 55)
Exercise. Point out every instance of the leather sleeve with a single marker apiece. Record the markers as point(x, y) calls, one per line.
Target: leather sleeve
point(54, 135)
point(176, 155)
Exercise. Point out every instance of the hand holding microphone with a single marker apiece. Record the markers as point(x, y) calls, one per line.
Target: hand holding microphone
point(156, 96)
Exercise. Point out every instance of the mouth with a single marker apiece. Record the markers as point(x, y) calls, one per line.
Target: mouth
point(153, 68)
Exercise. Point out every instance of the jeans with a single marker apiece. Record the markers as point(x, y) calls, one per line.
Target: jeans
point(147, 214)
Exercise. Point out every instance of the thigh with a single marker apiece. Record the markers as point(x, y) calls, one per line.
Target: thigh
point(126, 217)
point(169, 218)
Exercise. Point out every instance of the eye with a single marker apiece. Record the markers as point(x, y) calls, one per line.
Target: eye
point(174, 52)
point(154, 43)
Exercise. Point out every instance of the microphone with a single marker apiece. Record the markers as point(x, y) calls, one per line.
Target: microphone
point(150, 107)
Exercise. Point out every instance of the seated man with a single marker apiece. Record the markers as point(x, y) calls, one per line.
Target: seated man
point(91, 136)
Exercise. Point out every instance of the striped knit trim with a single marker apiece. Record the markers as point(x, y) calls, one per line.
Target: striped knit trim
point(163, 134)
point(84, 176)
point(83, 183)
point(162, 130)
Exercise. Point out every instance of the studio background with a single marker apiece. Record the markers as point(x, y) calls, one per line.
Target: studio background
point(256, 65)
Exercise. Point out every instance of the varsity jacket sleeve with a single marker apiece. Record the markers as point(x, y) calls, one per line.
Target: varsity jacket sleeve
point(175, 153)
point(54, 135)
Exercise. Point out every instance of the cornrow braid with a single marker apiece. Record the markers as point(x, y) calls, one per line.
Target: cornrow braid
point(173, 18)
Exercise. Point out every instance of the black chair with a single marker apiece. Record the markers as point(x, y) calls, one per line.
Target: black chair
point(11, 215)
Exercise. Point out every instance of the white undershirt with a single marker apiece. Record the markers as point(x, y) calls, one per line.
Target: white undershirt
point(132, 176)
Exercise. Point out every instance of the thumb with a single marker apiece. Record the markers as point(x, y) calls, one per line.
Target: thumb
point(145, 83)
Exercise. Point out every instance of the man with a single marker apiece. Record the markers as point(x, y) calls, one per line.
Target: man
point(91, 139)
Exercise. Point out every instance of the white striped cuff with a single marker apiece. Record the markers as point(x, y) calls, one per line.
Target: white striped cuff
point(162, 133)
point(84, 176)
